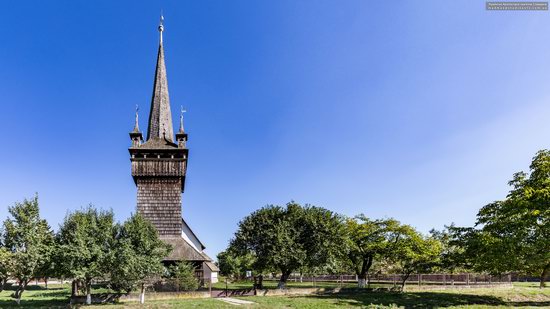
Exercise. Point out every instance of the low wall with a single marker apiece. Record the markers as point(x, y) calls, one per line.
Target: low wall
point(165, 295)
point(309, 291)
point(111, 298)
point(504, 285)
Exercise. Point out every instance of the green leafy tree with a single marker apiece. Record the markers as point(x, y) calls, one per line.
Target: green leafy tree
point(514, 234)
point(85, 241)
point(287, 239)
point(229, 264)
point(184, 274)
point(49, 270)
point(30, 241)
point(137, 256)
point(414, 253)
point(368, 241)
point(452, 257)
point(234, 265)
point(5, 266)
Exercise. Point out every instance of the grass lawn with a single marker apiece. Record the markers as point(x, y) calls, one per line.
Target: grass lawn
point(521, 295)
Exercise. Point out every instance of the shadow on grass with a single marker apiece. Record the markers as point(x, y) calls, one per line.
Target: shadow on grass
point(420, 299)
point(34, 303)
point(36, 296)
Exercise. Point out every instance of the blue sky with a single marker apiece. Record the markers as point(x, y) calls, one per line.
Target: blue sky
point(418, 110)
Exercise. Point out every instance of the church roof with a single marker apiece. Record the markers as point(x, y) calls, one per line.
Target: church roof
point(160, 117)
point(212, 266)
point(182, 250)
point(158, 143)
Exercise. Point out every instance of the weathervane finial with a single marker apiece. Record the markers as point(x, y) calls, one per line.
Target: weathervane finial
point(136, 126)
point(161, 25)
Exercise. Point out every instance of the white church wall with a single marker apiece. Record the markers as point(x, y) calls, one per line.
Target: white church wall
point(190, 238)
point(209, 274)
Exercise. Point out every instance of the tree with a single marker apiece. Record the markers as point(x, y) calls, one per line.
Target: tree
point(414, 253)
point(137, 256)
point(85, 240)
point(234, 265)
point(452, 258)
point(289, 238)
point(514, 234)
point(365, 241)
point(5, 266)
point(369, 240)
point(184, 273)
point(30, 241)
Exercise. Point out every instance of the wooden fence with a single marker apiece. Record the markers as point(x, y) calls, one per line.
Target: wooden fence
point(418, 279)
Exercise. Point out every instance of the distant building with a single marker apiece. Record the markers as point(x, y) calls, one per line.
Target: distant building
point(158, 167)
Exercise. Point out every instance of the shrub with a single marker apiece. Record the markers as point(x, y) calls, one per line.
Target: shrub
point(184, 274)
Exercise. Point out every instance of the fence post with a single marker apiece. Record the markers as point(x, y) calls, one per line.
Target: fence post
point(444, 279)
point(419, 279)
point(468, 279)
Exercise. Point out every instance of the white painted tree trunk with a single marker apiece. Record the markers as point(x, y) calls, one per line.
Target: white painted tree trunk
point(142, 295)
point(362, 283)
point(18, 300)
point(89, 292)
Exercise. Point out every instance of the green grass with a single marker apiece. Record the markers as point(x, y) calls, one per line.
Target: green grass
point(521, 295)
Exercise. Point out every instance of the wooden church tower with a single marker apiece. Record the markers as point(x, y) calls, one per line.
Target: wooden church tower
point(158, 167)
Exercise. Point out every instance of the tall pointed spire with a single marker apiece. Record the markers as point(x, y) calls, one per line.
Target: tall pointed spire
point(160, 117)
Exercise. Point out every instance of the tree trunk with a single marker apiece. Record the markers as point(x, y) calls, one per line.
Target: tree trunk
point(362, 275)
point(405, 277)
point(73, 288)
point(88, 292)
point(142, 294)
point(284, 277)
point(46, 282)
point(543, 275)
point(20, 289)
point(361, 280)
point(2, 284)
point(261, 282)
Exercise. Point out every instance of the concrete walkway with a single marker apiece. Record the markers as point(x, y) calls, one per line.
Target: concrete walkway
point(235, 301)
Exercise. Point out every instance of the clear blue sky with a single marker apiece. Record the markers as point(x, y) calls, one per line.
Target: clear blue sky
point(418, 110)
